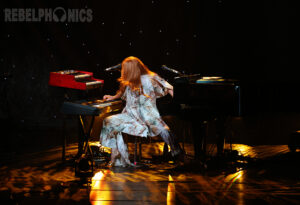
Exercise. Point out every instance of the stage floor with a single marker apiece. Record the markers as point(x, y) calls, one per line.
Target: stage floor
point(265, 174)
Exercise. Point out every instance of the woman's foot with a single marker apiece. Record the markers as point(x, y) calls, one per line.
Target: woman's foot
point(128, 163)
point(110, 164)
point(178, 155)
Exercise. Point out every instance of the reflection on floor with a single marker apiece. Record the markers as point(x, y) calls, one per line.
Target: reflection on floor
point(256, 175)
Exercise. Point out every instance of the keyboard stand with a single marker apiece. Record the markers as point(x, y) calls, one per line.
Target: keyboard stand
point(85, 160)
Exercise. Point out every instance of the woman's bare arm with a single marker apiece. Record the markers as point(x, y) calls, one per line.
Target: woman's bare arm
point(110, 97)
point(171, 92)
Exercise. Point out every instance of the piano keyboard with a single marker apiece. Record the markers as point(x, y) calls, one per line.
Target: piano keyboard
point(93, 107)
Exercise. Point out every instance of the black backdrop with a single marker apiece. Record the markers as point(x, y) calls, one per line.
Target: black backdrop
point(253, 41)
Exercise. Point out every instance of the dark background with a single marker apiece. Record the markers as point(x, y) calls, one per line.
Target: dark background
point(252, 41)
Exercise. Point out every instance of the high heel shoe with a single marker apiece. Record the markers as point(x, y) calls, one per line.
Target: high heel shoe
point(110, 164)
point(179, 155)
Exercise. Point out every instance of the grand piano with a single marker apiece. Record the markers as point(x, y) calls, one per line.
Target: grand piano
point(202, 99)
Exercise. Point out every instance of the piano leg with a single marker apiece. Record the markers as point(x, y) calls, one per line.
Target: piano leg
point(220, 131)
point(199, 130)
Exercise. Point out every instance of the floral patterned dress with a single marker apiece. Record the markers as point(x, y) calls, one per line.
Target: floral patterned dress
point(140, 117)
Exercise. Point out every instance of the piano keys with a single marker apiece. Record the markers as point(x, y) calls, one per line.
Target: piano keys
point(91, 107)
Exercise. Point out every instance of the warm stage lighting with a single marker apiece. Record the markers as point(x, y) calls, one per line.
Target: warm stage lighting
point(232, 178)
point(98, 176)
point(171, 191)
point(100, 192)
point(244, 150)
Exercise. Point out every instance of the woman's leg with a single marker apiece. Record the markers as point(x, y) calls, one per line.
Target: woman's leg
point(122, 148)
point(114, 154)
point(119, 154)
point(170, 140)
point(108, 137)
point(111, 136)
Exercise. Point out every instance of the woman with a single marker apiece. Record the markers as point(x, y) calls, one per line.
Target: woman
point(139, 87)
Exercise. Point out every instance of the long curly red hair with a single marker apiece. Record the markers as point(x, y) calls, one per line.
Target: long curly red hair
point(132, 69)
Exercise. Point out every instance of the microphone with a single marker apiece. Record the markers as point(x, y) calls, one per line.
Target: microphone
point(170, 69)
point(112, 68)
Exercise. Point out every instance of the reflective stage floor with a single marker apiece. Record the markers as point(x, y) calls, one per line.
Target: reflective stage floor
point(265, 174)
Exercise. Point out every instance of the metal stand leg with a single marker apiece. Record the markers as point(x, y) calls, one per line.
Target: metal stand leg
point(135, 150)
point(86, 152)
point(140, 150)
point(64, 141)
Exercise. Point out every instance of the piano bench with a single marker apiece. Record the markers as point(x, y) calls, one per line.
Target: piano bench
point(137, 146)
point(137, 149)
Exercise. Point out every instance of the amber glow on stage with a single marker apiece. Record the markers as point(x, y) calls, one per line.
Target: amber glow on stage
point(100, 193)
point(244, 150)
point(171, 191)
point(235, 179)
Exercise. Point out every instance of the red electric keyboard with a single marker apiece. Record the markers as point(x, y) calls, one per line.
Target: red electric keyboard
point(83, 100)
point(74, 79)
